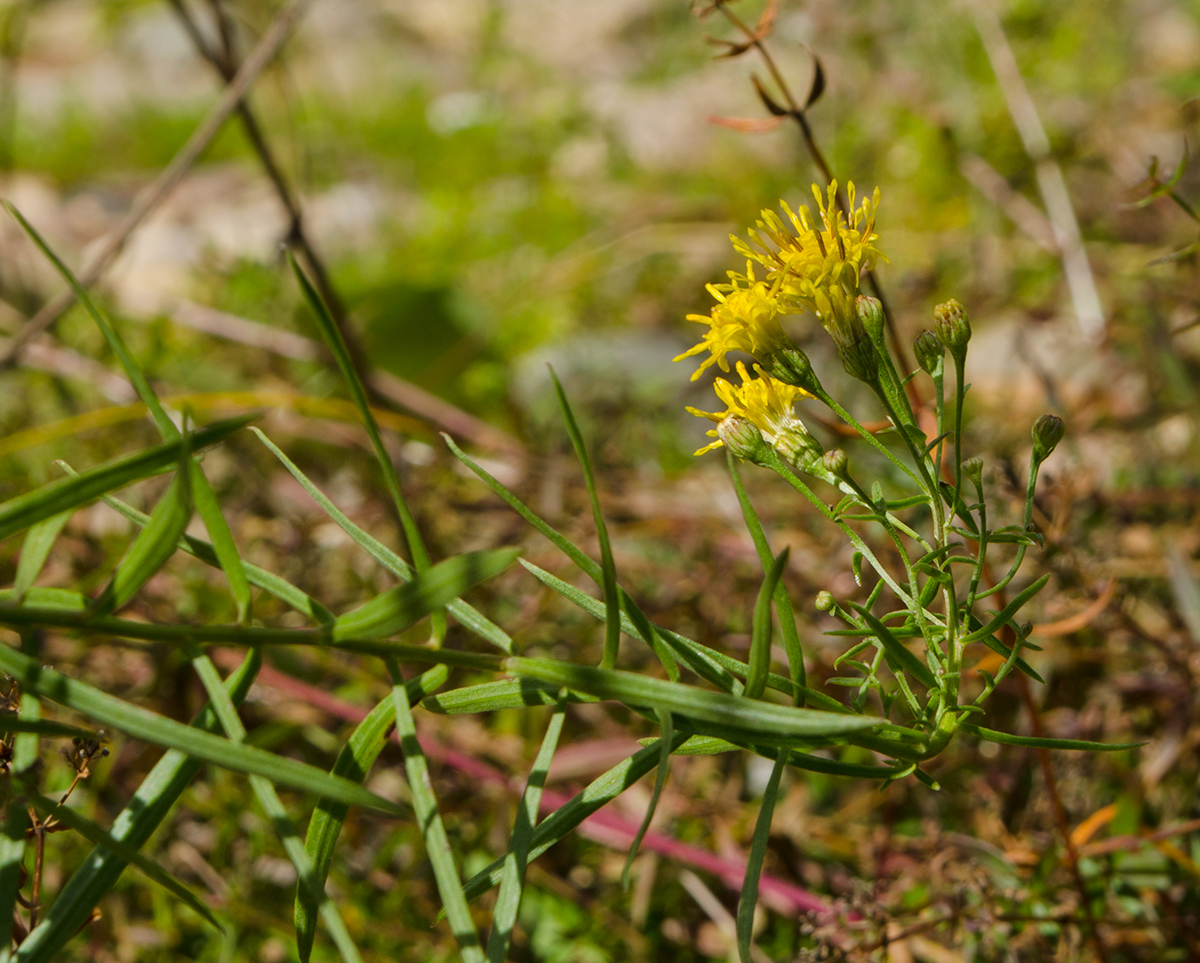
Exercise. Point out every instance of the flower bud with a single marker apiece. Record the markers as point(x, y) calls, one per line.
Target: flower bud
point(870, 313)
point(930, 352)
point(834, 461)
point(953, 326)
point(973, 469)
point(1047, 432)
point(791, 366)
point(824, 602)
point(855, 349)
point(742, 437)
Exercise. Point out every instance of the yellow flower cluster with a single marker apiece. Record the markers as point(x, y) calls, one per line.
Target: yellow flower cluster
point(768, 404)
point(806, 265)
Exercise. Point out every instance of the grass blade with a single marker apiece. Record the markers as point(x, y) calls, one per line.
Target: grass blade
point(490, 696)
point(273, 807)
point(353, 763)
point(1040, 742)
point(34, 552)
point(437, 846)
point(718, 708)
point(67, 494)
point(667, 727)
point(608, 568)
point(133, 826)
point(512, 873)
point(98, 836)
point(404, 605)
point(46, 727)
point(783, 602)
point(341, 354)
point(162, 731)
point(154, 545)
point(760, 637)
point(466, 615)
point(758, 851)
point(12, 857)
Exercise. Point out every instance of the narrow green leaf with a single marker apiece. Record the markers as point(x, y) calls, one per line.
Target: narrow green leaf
point(896, 650)
point(67, 494)
point(760, 637)
point(758, 851)
point(48, 598)
point(353, 762)
point(26, 746)
point(35, 550)
point(490, 696)
point(1008, 611)
point(718, 708)
point(224, 547)
point(512, 873)
point(437, 846)
point(12, 857)
point(162, 731)
point(1036, 742)
point(466, 615)
point(404, 605)
point(133, 826)
point(608, 569)
point(46, 727)
point(98, 836)
point(783, 602)
point(667, 727)
point(152, 547)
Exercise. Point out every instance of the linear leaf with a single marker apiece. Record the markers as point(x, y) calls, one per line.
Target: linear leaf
point(690, 702)
point(12, 856)
point(66, 494)
point(98, 836)
point(667, 727)
point(1037, 742)
point(404, 605)
point(760, 638)
point(353, 762)
point(151, 548)
point(490, 696)
point(896, 650)
point(35, 550)
point(162, 731)
point(469, 617)
point(1008, 611)
point(758, 851)
point(46, 727)
point(133, 826)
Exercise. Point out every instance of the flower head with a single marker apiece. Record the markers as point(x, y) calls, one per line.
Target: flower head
point(768, 404)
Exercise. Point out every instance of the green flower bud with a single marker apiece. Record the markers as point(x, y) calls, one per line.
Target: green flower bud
point(835, 461)
point(953, 326)
point(824, 602)
point(930, 352)
point(854, 347)
point(973, 469)
point(791, 366)
point(1047, 432)
point(743, 438)
point(870, 313)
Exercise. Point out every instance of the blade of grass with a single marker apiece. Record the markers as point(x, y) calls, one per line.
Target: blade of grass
point(46, 727)
point(98, 836)
point(354, 761)
point(512, 873)
point(469, 617)
point(26, 745)
point(133, 826)
point(341, 354)
point(490, 696)
point(758, 851)
point(162, 731)
point(12, 858)
point(35, 550)
point(67, 494)
point(783, 602)
point(404, 605)
point(273, 806)
point(718, 708)
point(202, 494)
point(760, 636)
point(152, 547)
point(666, 726)
point(608, 568)
point(437, 846)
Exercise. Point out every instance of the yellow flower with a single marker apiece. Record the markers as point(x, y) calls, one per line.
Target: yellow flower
point(745, 318)
point(768, 404)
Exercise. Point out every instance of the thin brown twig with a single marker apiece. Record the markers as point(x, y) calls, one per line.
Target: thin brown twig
point(167, 180)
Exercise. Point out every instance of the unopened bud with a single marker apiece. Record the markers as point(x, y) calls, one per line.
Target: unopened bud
point(953, 326)
point(743, 438)
point(824, 602)
point(1047, 432)
point(870, 313)
point(930, 352)
point(834, 461)
point(855, 349)
point(791, 366)
point(973, 469)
